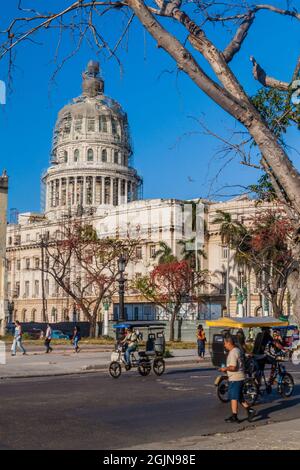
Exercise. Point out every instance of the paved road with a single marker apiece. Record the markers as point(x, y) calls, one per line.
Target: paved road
point(96, 412)
point(37, 363)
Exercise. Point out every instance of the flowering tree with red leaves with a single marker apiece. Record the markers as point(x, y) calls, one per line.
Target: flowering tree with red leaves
point(265, 246)
point(170, 285)
point(85, 266)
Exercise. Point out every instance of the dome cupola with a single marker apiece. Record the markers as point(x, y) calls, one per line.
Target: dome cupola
point(91, 157)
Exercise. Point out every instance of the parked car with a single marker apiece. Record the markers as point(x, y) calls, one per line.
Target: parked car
point(58, 334)
point(34, 333)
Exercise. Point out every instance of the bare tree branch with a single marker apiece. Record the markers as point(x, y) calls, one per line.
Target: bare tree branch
point(239, 37)
point(260, 75)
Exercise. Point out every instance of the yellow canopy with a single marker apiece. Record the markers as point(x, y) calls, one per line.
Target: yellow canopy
point(247, 322)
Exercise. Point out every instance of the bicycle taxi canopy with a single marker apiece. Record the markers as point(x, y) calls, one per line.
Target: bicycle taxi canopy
point(247, 322)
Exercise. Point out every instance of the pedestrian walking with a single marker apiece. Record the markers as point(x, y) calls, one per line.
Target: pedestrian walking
point(17, 342)
point(48, 338)
point(236, 376)
point(201, 340)
point(76, 338)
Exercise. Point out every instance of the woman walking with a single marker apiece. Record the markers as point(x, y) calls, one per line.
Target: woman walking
point(17, 342)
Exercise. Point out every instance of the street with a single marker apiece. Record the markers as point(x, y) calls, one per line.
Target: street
point(94, 411)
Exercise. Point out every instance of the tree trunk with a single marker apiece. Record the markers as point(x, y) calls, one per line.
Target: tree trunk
point(172, 326)
point(179, 329)
point(93, 325)
point(293, 284)
point(277, 309)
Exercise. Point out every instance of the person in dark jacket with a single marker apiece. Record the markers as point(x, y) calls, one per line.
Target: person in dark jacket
point(76, 338)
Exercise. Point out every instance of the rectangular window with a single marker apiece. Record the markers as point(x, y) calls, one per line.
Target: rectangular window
point(224, 252)
point(78, 124)
point(139, 254)
point(17, 290)
point(152, 251)
point(91, 125)
point(37, 263)
point(27, 263)
point(28, 237)
point(223, 285)
point(36, 288)
point(26, 288)
point(18, 265)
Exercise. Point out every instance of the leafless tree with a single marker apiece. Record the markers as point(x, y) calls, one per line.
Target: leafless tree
point(83, 19)
point(84, 266)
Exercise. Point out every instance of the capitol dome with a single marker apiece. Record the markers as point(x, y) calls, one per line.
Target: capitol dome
point(91, 160)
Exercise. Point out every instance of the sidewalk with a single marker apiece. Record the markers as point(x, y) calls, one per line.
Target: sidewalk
point(64, 362)
point(275, 436)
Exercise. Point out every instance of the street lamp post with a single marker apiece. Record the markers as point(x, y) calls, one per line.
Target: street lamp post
point(121, 280)
point(10, 307)
point(106, 304)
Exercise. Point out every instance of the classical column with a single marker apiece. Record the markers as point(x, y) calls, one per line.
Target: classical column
point(120, 198)
point(112, 191)
point(102, 190)
point(60, 192)
point(126, 192)
point(84, 191)
point(68, 202)
point(94, 191)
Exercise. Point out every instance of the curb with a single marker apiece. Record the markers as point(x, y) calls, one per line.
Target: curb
point(93, 368)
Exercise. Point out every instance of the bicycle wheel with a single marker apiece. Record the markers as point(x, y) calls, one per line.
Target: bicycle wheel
point(286, 385)
point(115, 369)
point(158, 366)
point(144, 368)
point(250, 391)
point(222, 390)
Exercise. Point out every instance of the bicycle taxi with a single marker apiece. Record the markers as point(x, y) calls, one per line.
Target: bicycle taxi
point(248, 336)
point(151, 357)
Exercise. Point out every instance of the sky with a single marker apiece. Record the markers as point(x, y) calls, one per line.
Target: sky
point(164, 107)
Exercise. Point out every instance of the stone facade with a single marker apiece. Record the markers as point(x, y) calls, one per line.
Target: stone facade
point(3, 225)
point(91, 176)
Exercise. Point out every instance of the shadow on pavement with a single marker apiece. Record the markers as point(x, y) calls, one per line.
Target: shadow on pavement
point(188, 371)
point(266, 413)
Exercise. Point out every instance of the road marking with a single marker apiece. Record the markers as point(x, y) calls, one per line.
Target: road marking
point(181, 389)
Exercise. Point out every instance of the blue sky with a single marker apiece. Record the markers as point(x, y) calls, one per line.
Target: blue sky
point(163, 107)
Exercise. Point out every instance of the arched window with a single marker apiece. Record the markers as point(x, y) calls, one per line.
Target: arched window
point(65, 156)
point(116, 156)
point(76, 155)
point(33, 315)
point(24, 315)
point(104, 155)
point(102, 124)
point(90, 155)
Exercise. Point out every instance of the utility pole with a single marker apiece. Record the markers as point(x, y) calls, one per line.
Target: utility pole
point(44, 308)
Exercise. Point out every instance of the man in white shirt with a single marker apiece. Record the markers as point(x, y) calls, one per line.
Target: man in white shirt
point(48, 337)
point(236, 376)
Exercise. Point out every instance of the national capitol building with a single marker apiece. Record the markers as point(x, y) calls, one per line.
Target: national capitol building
point(91, 175)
